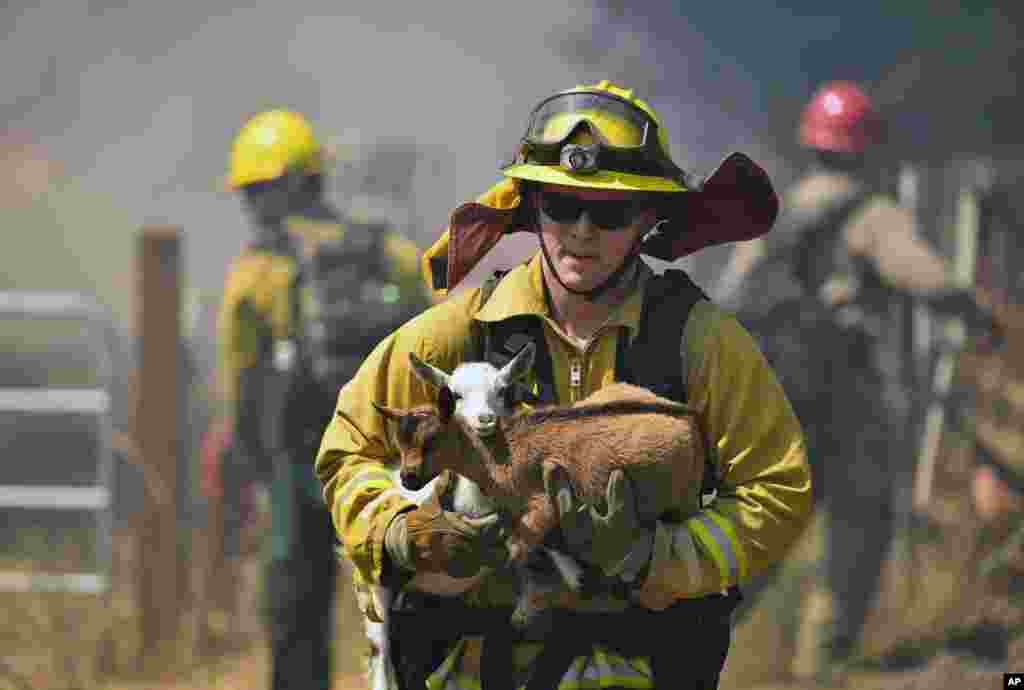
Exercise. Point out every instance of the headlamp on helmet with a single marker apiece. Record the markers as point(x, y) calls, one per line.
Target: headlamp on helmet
point(584, 132)
point(579, 158)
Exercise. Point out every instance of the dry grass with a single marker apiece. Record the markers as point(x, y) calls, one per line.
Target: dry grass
point(62, 641)
point(940, 588)
point(916, 607)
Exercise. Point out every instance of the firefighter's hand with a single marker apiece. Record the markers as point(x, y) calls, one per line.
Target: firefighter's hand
point(430, 539)
point(612, 540)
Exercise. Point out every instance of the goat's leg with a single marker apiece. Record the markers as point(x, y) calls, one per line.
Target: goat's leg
point(381, 672)
point(533, 526)
point(537, 595)
point(568, 567)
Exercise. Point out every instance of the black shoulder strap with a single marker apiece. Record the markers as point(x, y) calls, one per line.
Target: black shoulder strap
point(655, 359)
point(499, 342)
point(668, 299)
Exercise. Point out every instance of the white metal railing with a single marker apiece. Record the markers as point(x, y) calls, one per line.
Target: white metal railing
point(55, 400)
point(55, 497)
point(96, 499)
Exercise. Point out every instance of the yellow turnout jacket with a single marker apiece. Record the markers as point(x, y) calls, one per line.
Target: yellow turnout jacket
point(762, 506)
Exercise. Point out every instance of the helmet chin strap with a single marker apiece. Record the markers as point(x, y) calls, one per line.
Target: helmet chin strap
point(594, 294)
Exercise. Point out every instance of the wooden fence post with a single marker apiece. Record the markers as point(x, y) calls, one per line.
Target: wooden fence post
point(156, 419)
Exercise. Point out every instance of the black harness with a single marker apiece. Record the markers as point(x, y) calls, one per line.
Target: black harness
point(699, 626)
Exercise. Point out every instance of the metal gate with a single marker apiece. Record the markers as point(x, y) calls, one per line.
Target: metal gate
point(57, 468)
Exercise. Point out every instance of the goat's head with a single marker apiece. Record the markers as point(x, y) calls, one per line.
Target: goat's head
point(482, 392)
point(423, 434)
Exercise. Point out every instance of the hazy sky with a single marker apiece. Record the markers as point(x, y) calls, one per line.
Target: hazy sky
point(140, 101)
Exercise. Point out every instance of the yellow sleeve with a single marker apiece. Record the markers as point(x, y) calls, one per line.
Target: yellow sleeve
point(764, 499)
point(256, 305)
point(357, 453)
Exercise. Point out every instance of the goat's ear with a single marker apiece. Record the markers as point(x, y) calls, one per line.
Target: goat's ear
point(389, 413)
point(445, 403)
point(428, 372)
point(520, 364)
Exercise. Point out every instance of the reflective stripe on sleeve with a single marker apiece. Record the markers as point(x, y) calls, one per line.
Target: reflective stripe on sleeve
point(388, 493)
point(369, 478)
point(716, 541)
point(739, 554)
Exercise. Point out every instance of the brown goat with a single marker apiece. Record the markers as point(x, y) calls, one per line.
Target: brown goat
point(657, 442)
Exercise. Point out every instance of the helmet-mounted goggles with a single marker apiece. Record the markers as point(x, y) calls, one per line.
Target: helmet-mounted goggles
point(623, 137)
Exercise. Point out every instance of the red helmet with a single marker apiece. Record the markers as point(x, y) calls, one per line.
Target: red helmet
point(839, 117)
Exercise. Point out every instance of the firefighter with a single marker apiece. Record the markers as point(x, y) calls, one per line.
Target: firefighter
point(817, 292)
point(594, 180)
point(273, 341)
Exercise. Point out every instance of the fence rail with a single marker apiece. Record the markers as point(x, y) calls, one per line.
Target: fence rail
point(95, 500)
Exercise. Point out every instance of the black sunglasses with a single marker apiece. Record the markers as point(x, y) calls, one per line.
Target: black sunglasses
point(606, 215)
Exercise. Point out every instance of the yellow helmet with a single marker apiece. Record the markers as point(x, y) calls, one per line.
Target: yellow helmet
point(270, 144)
point(599, 136)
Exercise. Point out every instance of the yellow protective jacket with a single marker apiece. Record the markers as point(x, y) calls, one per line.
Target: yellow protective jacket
point(257, 304)
point(764, 500)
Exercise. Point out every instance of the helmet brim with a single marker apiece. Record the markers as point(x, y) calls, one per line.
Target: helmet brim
point(253, 174)
point(601, 179)
point(736, 202)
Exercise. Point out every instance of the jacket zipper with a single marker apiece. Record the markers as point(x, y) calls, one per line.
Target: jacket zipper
point(576, 368)
point(575, 378)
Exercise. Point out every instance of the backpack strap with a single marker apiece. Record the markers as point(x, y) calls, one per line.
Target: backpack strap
point(668, 299)
point(649, 360)
point(498, 343)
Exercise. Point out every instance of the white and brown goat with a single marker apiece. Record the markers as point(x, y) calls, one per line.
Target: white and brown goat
point(658, 443)
point(482, 395)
